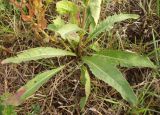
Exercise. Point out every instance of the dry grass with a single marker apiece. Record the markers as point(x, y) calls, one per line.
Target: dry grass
point(61, 95)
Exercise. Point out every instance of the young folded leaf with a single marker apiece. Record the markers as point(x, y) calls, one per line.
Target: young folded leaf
point(85, 79)
point(31, 87)
point(125, 59)
point(95, 8)
point(37, 53)
point(67, 29)
point(66, 7)
point(108, 23)
point(108, 73)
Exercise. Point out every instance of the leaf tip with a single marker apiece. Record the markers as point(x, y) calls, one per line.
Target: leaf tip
point(15, 99)
point(136, 16)
point(3, 61)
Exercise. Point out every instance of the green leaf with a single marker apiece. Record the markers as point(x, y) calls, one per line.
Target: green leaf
point(108, 73)
point(57, 24)
point(2, 7)
point(7, 110)
point(66, 7)
point(95, 8)
point(68, 28)
point(85, 79)
point(36, 109)
point(37, 53)
point(95, 46)
point(108, 23)
point(72, 36)
point(1, 109)
point(125, 59)
point(31, 87)
point(85, 2)
point(48, 1)
point(67, 31)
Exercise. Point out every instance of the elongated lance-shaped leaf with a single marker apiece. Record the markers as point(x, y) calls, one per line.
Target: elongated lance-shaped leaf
point(85, 79)
point(108, 23)
point(125, 59)
point(31, 87)
point(105, 71)
point(95, 8)
point(37, 53)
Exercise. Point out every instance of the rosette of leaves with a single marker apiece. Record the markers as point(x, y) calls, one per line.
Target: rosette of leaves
point(103, 64)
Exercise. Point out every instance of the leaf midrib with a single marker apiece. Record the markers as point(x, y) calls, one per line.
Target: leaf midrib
point(19, 59)
point(111, 57)
point(101, 70)
point(98, 26)
point(124, 95)
point(124, 61)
